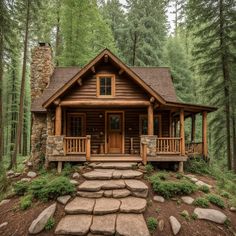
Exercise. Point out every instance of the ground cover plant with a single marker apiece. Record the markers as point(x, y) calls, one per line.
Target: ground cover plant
point(152, 224)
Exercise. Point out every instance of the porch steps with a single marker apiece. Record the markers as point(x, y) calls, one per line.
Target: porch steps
point(111, 201)
point(116, 158)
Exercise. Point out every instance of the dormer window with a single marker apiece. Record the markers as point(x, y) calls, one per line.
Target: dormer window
point(105, 85)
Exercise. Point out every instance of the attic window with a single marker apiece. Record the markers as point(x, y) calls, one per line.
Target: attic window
point(106, 85)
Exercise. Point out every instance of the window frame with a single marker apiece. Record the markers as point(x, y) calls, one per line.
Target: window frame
point(83, 123)
point(98, 78)
point(144, 116)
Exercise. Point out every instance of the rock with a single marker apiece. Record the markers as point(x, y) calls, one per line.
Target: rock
point(210, 214)
point(161, 224)
point(74, 225)
point(232, 209)
point(76, 175)
point(189, 176)
point(17, 174)
point(90, 194)
point(26, 179)
point(119, 193)
point(91, 185)
point(75, 182)
point(3, 224)
point(131, 225)
point(95, 175)
point(108, 193)
point(114, 184)
point(114, 165)
point(158, 199)
point(175, 225)
point(10, 172)
point(64, 199)
point(80, 206)
point(29, 164)
point(31, 174)
point(106, 206)
point(5, 201)
point(142, 194)
point(39, 223)
point(133, 205)
point(201, 183)
point(104, 225)
point(194, 180)
point(130, 174)
point(187, 200)
point(136, 185)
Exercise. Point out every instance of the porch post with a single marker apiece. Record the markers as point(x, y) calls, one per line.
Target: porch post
point(58, 120)
point(193, 128)
point(182, 136)
point(175, 128)
point(150, 119)
point(204, 134)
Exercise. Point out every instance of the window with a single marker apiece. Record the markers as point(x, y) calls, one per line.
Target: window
point(75, 125)
point(143, 125)
point(106, 85)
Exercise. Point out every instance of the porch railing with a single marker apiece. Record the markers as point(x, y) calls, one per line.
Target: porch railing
point(78, 145)
point(168, 145)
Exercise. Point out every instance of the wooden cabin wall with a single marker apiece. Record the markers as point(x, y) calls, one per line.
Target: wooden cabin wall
point(95, 125)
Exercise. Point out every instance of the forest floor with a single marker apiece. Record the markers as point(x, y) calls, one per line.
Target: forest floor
point(19, 220)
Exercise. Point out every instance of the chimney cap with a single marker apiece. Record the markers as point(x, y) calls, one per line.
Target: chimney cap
point(43, 44)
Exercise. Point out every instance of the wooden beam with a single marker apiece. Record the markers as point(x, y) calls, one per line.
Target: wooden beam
point(181, 167)
point(106, 58)
point(106, 103)
point(144, 153)
point(152, 99)
point(182, 135)
point(59, 167)
point(150, 120)
point(204, 134)
point(79, 81)
point(193, 128)
point(93, 69)
point(57, 101)
point(58, 120)
point(121, 71)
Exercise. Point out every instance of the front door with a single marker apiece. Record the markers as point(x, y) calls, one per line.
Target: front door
point(114, 132)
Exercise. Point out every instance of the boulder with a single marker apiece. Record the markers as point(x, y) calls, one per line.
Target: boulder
point(201, 183)
point(158, 199)
point(161, 224)
point(76, 175)
point(39, 223)
point(5, 201)
point(26, 179)
point(175, 225)
point(210, 214)
point(31, 174)
point(187, 200)
point(64, 199)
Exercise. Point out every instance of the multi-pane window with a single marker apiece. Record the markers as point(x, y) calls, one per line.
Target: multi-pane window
point(105, 85)
point(75, 125)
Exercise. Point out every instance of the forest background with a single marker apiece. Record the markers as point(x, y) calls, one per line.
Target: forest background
point(200, 49)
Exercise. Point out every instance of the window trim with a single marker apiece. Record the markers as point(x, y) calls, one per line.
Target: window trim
point(158, 116)
point(83, 122)
point(98, 78)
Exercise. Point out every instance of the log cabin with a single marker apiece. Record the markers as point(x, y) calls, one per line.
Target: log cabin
point(108, 111)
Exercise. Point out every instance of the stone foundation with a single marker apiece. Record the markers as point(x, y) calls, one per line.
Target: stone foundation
point(151, 141)
point(55, 146)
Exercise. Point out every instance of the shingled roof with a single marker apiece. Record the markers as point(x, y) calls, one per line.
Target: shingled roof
point(158, 78)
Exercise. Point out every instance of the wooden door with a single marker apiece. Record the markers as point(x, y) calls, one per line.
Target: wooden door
point(114, 132)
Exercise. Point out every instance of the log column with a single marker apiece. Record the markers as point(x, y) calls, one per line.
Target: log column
point(204, 134)
point(182, 136)
point(58, 120)
point(193, 128)
point(150, 120)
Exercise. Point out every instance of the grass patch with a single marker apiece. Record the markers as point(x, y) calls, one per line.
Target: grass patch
point(204, 189)
point(225, 194)
point(185, 215)
point(26, 202)
point(149, 168)
point(201, 202)
point(50, 224)
point(194, 216)
point(21, 187)
point(197, 166)
point(216, 200)
point(152, 224)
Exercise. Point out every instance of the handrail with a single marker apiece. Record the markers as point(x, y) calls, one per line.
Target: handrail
point(75, 145)
point(168, 145)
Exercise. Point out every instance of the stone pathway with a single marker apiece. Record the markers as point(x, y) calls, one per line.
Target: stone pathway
point(110, 201)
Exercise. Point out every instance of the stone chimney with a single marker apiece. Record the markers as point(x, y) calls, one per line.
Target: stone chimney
point(41, 69)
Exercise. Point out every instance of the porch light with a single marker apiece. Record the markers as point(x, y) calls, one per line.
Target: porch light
point(100, 115)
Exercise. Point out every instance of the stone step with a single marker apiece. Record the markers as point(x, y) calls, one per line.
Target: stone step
point(114, 165)
point(106, 174)
point(118, 224)
point(104, 206)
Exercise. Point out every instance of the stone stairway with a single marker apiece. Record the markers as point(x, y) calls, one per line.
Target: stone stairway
point(109, 202)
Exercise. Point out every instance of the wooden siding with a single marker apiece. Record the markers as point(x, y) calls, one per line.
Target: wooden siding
point(125, 88)
point(95, 125)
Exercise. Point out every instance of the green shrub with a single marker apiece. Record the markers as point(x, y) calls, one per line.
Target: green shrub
point(149, 168)
point(216, 200)
point(194, 216)
point(26, 202)
point(179, 176)
point(197, 166)
point(50, 224)
point(152, 224)
point(21, 187)
point(67, 169)
point(225, 194)
point(169, 189)
point(162, 175)
point(201, 202)
point(45, 189)
point(204, 189)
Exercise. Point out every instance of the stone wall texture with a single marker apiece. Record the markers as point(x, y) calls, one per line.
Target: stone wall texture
point(42, 123)
point(151, 141)
point(55, 146)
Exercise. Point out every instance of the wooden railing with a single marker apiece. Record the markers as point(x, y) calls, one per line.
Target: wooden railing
point(168, 145)
point(194, 148)
point(78, 145)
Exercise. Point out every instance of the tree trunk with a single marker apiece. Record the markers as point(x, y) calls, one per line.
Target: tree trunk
point(134, 48)
point(1, 83)
point(226, 78)
point(22, 91)
point(58, 36)
point(234, 137)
